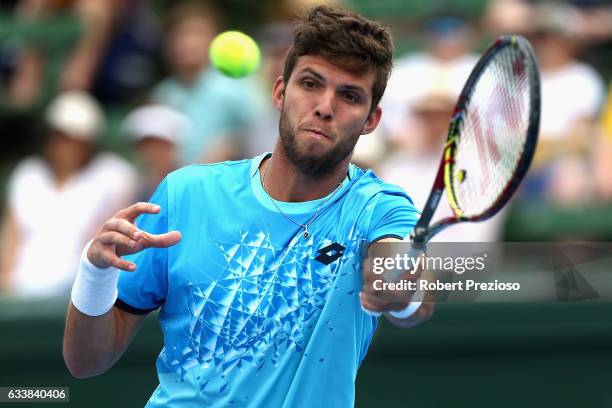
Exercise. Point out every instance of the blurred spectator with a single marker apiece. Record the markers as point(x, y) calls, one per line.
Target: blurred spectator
point(221, 109)
point(572, 98)
point(128, 67)
point(591, 20)
point(415, 165)
point(114, 58)
point(572, 91)
point(156, 132)
point(509, 17)
point(584, 20)
point(444, 65)
point(96, 18)
point(57, 201)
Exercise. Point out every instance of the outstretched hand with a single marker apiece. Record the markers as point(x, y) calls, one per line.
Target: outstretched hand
point(385, 299)
point(119, 236)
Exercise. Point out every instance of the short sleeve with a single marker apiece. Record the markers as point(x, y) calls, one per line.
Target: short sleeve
point(145, 289)
point(394, 216)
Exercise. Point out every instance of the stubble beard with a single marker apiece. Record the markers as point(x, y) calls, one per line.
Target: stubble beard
point(318, 166)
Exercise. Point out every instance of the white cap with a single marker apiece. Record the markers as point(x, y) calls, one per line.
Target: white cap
point(156, 121)
point(76, 114)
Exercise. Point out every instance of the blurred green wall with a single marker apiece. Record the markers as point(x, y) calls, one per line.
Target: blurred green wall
point(468, 355)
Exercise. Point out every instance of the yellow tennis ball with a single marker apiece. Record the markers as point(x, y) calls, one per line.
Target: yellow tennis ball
point(235, 54)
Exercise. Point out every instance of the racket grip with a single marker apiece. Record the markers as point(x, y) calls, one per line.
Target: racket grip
point(416, 250)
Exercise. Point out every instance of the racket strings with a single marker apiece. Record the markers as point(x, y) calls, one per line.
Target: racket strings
point(493, 132)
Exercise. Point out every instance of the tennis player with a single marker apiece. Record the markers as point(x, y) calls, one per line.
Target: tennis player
point(261, 297)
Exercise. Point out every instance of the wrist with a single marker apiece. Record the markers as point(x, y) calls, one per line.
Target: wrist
point(90, 262)
point(415, 302)
point(94, 291)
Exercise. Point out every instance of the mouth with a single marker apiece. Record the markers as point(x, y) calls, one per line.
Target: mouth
point(318, 133)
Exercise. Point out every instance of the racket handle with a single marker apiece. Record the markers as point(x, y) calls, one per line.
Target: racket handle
point(415, 250)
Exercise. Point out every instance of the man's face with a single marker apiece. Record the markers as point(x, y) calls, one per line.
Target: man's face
point(324, 110)
point(157, 156)
point(188, 43)
point(66, 152)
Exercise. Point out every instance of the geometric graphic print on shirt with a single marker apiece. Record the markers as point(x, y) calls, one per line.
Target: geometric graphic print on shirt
point(266, 296)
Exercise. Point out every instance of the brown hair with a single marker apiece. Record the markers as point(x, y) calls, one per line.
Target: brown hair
point(348, 39)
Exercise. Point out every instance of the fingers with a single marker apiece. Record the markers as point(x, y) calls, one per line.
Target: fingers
point(373, 303)
point(125, 245)
point(135, 210)
point(116, 238)
point(111, 259)
point(162, 240)
point(369, 307)
point(120, 236)
point(124, 227)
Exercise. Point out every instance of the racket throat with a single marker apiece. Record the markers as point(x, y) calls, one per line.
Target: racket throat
point(419, 235)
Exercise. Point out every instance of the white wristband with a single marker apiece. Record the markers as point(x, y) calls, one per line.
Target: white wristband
point(415, 303)
point(94, 290)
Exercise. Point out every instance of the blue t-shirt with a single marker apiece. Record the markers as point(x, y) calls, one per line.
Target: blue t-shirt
point(253, 313)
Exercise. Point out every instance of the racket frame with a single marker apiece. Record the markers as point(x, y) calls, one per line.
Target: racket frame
point(423, 232)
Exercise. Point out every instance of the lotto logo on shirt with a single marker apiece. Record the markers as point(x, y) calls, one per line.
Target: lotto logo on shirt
point(330, 253)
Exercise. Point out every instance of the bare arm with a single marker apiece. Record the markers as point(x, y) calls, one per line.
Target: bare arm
point(92, 344)
point(8, 248)
point(97, 17)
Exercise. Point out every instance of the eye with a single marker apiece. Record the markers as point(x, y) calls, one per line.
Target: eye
point(351, 97)
point(309, 84)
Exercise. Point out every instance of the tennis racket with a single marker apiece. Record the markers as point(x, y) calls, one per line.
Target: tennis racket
point(491, 139)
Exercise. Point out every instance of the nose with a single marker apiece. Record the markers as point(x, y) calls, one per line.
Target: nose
point(325, 107)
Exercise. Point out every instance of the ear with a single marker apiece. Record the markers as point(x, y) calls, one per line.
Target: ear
point(372, 121)
point(278, 93)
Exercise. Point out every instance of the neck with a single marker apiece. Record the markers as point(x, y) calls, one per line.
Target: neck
point(61, 175)
point(284, 182)
point(63, 171)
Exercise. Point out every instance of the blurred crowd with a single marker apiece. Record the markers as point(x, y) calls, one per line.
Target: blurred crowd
point(93, 121)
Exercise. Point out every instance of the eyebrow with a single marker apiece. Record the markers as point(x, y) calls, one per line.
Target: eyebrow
point(313, 73)
point(354, 88)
